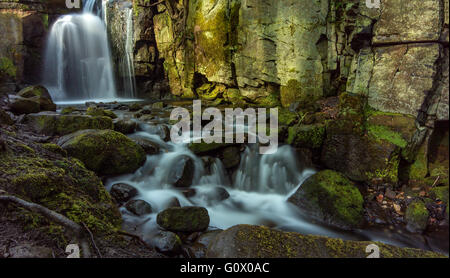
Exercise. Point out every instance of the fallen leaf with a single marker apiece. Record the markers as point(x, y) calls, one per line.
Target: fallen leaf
point(398, 208)
point(380, 198)
point(422, 193)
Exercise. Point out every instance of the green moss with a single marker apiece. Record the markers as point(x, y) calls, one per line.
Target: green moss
point(306, 136)
point(416, 216)
point(68, 110)
point(106, 151)
point(440, 193)
point(383, 133)
point(334, 197)
point(7, 66)
point(45, 20)
point(100, 112)
point(202, 148)
point(54, 149)
point(286, 117)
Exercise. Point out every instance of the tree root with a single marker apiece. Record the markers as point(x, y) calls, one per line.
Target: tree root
point(60, 219)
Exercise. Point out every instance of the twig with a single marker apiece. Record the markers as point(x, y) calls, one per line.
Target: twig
point(92, 239)
point(133, 236)
point(435, 181)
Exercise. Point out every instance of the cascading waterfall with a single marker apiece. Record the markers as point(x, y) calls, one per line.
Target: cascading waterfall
point(77, 59)
point(127, 63)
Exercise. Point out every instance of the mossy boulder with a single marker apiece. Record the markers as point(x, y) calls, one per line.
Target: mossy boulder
point(306, 136)
point(104, 151)
point(54, 124)
point(416, 217)
point(246, 241)
point(60, 184)
point(20, 105)
point(185, 219)
point(41, 94)
point(125, 126)
point(332, 198)
point(95, 111)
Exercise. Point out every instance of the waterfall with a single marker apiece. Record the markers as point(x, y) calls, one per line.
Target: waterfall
point(127, 63)
point(77, 62)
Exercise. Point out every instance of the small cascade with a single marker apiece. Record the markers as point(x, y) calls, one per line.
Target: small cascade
point(127, 63)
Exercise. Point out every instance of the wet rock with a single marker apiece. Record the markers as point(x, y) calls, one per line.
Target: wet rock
point(221, 194)
point(231, 157)
point(173, 203)
point(5, 119)
point(19, 105)
point(416, 217)
point(40, 94)
point(135, 107)
point(94, 111)
point(185, 219)
point(167, 243)
point(189, 192)
point(246, 241)
point(199, 247)
point(208, 161)
point(104, 151)
point(125, 126)
point(332, 198)
point(138, 207)
point(49, 123)
point(123, 192)
point(183, 172)
point(149, 146)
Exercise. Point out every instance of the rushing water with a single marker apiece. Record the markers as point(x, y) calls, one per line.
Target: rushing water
point(258, 191)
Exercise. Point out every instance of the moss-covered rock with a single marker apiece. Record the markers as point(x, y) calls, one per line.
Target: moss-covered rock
point(55, 124)
point(95, 111)
point(246, 241)
point(104, 151)
point(41, 94)
point(416, 216)
point(20, 105)
point(125, 126)
point(306, 136)
point(331, 197)
point(185, 219)
point(60, 184)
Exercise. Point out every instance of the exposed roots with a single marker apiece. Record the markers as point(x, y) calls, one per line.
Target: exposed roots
point(60, 219)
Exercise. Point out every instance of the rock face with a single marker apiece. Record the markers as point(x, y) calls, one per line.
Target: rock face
point(245, 241)
point(332, 198)
point(185, 219)
point(104, 151)
point(24, 25)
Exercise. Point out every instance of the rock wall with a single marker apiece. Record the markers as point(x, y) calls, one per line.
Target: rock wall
point(24, 25)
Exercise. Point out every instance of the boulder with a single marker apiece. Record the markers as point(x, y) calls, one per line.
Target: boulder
point(95, 111)
point(182, 173)
point(416, 217)
point(41, 94)
point(185, 219)
point(138, 207)
point(148, 145)
point(20, 105)
point(246, 241)
point(167, 243)
point(332, 198)
point(123, 192)
point(125, 126)
point(49, 123)
point(104, 151)
point(231, 157)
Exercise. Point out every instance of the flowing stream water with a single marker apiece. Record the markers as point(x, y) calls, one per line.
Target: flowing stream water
point(258, 192)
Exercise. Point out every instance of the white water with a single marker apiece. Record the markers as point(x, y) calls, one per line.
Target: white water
point(127, 63)
point(77, 59)
point(258, 194)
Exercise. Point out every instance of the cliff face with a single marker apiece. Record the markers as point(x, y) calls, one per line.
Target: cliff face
point(24, 25)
